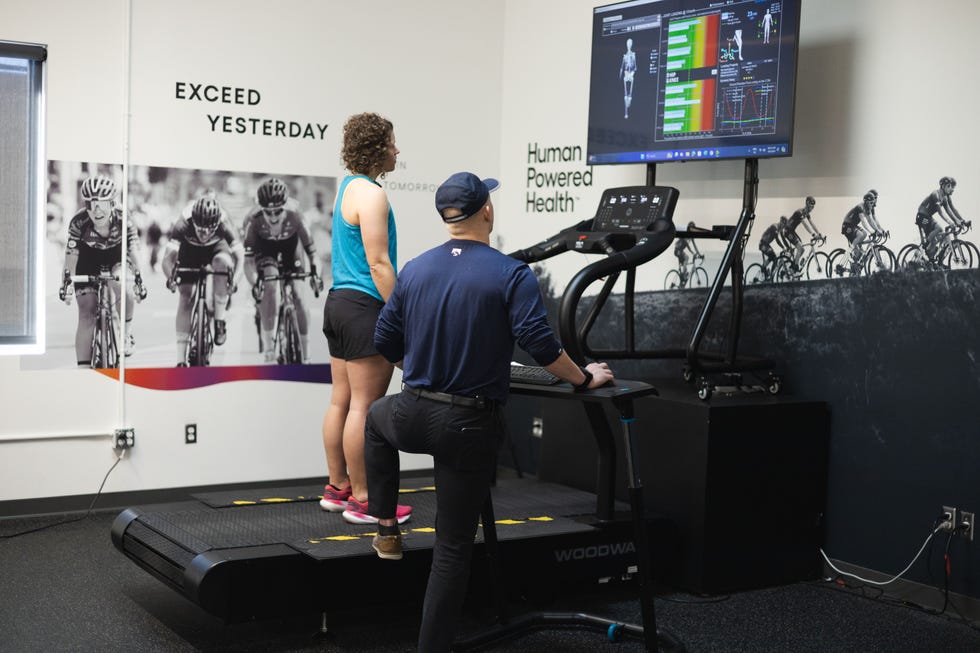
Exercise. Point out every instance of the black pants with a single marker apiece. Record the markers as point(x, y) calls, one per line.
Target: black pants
point(463, 443)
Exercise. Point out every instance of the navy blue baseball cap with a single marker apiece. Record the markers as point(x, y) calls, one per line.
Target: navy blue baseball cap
point(466, 192)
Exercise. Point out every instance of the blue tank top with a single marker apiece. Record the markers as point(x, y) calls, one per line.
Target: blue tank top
point(349, 266)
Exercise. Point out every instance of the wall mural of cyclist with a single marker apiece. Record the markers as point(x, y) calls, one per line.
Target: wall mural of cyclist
point(92, 275)
point(223, 267)
point(794, 261)
point(689, 272)
point(940, 245)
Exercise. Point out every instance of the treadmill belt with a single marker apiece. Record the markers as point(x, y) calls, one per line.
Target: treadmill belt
point(251, 497)
point(290, 516)
point(236, 498)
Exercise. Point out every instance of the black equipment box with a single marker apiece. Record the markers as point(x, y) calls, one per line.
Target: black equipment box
point(743, 481)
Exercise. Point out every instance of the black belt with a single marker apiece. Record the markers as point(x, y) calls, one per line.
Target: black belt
point(480, 402)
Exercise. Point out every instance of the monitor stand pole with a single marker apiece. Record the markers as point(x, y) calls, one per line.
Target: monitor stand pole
point(731, 263)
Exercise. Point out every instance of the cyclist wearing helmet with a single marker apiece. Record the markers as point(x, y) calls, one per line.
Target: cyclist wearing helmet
point(273, 234)
point(95, 237)
point(680, 251)
point(939, 202)
point(874, 213)
point(769, 236)
point(801, 216)
point(363, 264)
point(204, 237)
point(858, 223)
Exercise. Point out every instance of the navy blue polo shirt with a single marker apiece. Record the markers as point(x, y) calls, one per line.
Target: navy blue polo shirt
point(454, 316)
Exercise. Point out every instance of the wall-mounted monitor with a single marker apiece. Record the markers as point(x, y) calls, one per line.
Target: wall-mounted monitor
point(687, 80)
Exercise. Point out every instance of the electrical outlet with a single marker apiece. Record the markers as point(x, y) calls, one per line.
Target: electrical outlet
point(537, 427)
point(123, 439)
point(190, 433)
point(948, 520)
point(966, 524)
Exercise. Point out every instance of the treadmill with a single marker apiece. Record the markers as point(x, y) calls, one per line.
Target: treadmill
point(271, 553)
point(255, 554)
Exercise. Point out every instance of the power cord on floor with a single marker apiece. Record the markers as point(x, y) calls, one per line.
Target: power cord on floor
point(963, 619)
point(881, 596)
point(893, 579)
point(838, 584)
point(122, 454)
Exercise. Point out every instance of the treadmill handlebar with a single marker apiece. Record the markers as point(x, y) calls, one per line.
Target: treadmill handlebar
point(635, 225)
point(557, 244)
point(646, 248)
point(718, 232)
point(580, 238)
point(650, 246)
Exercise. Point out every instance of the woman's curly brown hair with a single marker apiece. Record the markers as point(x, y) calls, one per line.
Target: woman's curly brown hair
point(366, 140)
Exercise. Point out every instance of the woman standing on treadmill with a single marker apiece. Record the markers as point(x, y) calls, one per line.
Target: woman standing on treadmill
point(363, 264)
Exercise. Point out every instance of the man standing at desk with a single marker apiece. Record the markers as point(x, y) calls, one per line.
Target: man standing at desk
point(452, 321)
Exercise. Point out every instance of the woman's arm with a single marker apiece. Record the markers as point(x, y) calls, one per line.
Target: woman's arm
point(373, 215)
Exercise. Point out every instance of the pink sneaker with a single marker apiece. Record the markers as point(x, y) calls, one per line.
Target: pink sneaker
point(357, 513)
point(334, 499)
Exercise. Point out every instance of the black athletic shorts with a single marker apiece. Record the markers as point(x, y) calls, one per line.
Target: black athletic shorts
point(92, 261)
point(349, 317)
point(197, 256)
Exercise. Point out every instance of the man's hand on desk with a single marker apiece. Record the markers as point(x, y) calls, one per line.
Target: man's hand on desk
point(593, 375)
point(601, 375)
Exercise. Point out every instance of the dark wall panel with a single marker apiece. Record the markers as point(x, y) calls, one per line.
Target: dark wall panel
point(895, 357)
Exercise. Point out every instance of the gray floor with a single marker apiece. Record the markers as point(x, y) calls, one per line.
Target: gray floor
point(68, 589)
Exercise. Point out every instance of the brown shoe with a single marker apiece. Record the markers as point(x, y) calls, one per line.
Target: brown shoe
point(389, 547)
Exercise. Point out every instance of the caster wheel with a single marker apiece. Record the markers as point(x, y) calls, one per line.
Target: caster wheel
point(704, 390)
point(687, 374)
point(775, 385)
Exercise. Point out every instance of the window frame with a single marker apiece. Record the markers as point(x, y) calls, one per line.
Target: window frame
point(32, 338)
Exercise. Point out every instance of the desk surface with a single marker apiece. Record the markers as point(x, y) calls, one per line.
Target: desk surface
point(623, 389)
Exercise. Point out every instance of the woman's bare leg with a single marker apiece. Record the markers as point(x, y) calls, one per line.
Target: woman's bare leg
point(368, 381)
point(333, 424)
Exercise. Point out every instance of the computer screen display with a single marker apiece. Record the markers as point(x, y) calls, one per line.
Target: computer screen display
point(684, 80)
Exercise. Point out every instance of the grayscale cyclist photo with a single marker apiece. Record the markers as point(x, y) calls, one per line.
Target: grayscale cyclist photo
point(941, 244)
point(222, 268)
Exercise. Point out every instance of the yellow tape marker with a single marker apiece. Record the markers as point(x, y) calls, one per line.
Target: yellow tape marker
point(244, 503)
point(334, 538)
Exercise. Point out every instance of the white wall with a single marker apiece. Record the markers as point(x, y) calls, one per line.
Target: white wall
point(885, 100)
point(428, 66)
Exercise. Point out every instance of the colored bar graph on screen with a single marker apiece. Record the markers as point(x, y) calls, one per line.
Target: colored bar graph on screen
point(689, 102)
point(693, 42)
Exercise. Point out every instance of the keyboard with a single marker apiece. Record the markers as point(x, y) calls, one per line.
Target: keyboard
point(532, 374)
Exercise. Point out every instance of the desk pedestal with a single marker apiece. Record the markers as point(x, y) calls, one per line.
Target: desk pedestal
point(619, 399)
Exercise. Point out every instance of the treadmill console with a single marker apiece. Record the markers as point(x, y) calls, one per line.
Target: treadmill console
point(625, 221)
point(633, 208)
